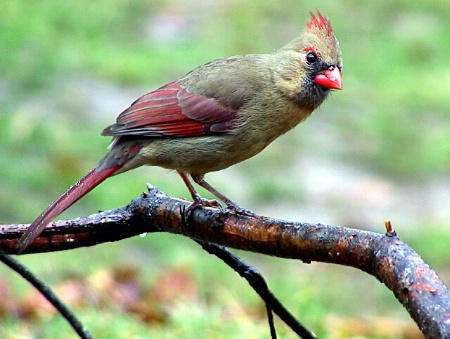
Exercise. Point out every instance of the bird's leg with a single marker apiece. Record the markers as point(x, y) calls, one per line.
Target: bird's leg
point(198, 200)
point(198, 179)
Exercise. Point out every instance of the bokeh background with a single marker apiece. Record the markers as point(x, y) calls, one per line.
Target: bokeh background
point(379, 149)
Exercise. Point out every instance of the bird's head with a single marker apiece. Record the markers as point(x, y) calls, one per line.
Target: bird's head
point(316, 61)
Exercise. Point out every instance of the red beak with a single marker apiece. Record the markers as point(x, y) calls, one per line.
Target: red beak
point(330, 78)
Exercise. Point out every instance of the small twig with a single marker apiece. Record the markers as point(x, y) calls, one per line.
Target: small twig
point(48, 294)
point(273, 331)
point(257, 282)
point(389, 230)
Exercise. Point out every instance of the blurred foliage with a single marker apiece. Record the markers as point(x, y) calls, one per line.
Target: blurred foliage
point(67, 68)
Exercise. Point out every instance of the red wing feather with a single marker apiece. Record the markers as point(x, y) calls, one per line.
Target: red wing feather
point(173, 111)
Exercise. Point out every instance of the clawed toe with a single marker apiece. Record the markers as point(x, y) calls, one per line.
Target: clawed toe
point(240, 210)
point(199, 201)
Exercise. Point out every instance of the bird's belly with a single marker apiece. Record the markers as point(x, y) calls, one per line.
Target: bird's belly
point(199, 155)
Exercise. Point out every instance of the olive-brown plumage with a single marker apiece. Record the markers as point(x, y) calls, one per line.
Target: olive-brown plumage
point(217, 115)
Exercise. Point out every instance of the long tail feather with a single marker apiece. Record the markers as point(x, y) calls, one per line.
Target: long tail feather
point(72, 195)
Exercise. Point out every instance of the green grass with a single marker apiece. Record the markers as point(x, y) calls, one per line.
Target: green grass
point(391, 119)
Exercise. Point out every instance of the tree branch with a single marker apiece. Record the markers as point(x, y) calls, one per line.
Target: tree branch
point(257, 282)
point(47, 292)
point(394, 263)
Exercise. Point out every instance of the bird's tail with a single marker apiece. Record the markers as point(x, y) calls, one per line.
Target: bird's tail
point(119, 159)
point(92, 179)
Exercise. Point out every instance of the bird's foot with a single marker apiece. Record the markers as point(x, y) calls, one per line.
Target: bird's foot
point(199, 201)
point(239, 210)
point(186, 212)
point(231, 206)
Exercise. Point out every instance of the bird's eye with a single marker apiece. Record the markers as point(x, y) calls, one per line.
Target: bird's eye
point(311, 58)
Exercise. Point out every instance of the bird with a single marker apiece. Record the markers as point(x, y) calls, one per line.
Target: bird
point(217, 115)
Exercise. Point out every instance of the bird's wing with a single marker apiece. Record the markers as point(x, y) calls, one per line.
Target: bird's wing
point(172, 111)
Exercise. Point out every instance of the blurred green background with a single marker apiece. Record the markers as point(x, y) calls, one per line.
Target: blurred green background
point(379, 149)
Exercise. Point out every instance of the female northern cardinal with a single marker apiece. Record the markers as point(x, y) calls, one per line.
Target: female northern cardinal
point(219, 114)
